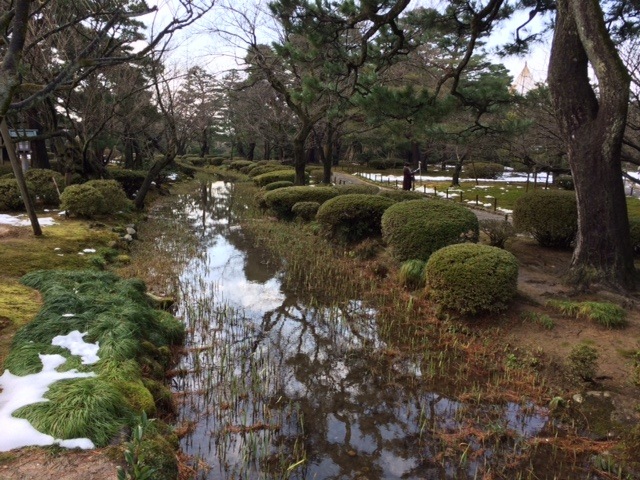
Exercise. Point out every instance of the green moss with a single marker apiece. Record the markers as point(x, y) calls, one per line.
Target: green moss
point(138, 397)
point(470, 278)
point(415, 229)
point(159, 455)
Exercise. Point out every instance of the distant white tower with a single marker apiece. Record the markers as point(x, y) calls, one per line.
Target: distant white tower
point(524, 82)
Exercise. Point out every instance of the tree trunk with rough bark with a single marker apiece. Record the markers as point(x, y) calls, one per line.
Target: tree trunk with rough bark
point(593, 127)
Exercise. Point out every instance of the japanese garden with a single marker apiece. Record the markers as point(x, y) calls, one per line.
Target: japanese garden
point(319, 240)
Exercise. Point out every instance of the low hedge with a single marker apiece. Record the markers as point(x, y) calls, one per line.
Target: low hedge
point(44, 185)
point(10, 198)
point(278, 184)
point(282, 175)
point(401, 195)
point(114, 195)
point(305, 211)
point(550, 216)
point(240, 164)
point(281, 201)
point(349, 189)
point(259, 169)
point(484, 170)
point(471, 278)
point(96, 197)
point(352, 218)
point(416, 228)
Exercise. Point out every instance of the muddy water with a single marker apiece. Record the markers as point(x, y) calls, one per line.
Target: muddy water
point(271, 387)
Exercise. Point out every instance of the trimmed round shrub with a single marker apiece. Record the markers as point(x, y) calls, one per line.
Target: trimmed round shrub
point(281, 201)
point(283, 174)
point(215, 161)
point(42, 186)
point(352, 218)
point(350, 189)
point(114, 195)
point(550, 216)
point(239, 164)
point(276, 185)
point(484, 170)
point(10, 198)
point(401, 195)
point(411, 274)
point(131, 180)
point(82, 200)
point(259, 169)
point(305, 211)
point(471, 278)
point(417, 228)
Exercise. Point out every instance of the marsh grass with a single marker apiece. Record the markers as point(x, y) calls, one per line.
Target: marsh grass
point(117, 315)
point(605, 314)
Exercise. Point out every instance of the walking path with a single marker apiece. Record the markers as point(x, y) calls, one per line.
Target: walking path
point(348, 179)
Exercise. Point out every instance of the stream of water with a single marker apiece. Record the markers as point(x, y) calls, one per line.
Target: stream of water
point(271, 387)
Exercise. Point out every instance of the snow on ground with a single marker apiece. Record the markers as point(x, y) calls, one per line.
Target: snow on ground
point(23, 221)
point(16, 392)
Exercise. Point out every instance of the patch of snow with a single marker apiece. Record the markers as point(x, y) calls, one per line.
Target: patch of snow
point(23, 221)
point(74, 342)
point(89, 250)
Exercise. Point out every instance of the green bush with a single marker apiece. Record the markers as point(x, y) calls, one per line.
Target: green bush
point(354, 217)
point(215, 161)
point(550, 216)
point(82, 200)
point(411, 274)
point(42, 186)
point(114, 195)
point(10, 198)
point(305, 211)
point(349, 189)
point(484, 170)
point(276, 185)
point(401, 195)
point(259, 169)
point(498, 231)
point(565, 182)
point(471, 278)
point(582, 362)
point(417, 228)
point(239, 164)
point(284, 174)
point(131, 180)
point(280, 201)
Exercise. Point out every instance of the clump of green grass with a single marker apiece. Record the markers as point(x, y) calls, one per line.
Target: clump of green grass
point(411, 274)
point(86, 407)
point(117, 315)
point(541, 319)
point(606, 314)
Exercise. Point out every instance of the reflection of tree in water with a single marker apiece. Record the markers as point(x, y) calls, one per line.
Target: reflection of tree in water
point(299, 375)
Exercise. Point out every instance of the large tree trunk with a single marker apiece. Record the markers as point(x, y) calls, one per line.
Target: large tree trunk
point(299, 159)
point(39, 155)
point(593, 127)
point(327, 155)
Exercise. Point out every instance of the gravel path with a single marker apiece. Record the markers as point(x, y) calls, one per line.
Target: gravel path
point(343, 178)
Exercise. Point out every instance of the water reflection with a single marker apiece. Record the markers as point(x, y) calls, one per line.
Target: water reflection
point(274, 388)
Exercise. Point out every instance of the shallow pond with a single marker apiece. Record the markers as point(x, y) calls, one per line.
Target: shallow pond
point(271, 387)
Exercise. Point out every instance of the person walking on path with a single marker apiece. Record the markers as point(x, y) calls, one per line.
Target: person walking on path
point(407, 176)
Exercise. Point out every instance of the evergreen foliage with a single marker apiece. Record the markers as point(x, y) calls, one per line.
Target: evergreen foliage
point(278, 184)
point(131, 180)
point(417, 228)
point(471, 278)
point(305, 211)
point(281, 201)
point(42, 185)
point(82, 200)
point(550, 216)
point(114, 195)
point(352, 218)
point(484, 170)
point(10, 198)
point(348, 189)
point(283, 174)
